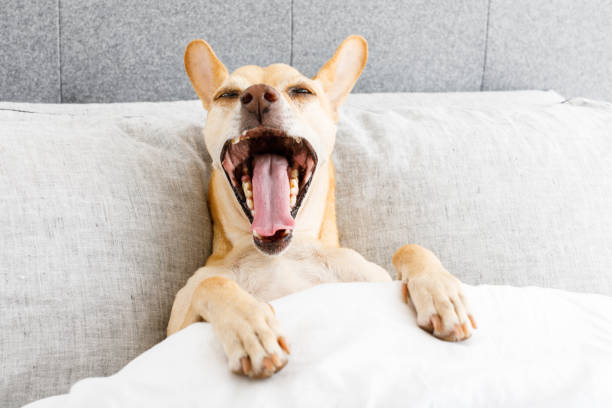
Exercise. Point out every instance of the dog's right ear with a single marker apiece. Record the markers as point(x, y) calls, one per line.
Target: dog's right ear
point(204, 69)
point(339, 74)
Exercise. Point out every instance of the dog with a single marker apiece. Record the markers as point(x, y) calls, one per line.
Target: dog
point(270, 132)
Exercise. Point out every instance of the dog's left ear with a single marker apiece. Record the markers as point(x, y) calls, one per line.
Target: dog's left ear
point(339, 74)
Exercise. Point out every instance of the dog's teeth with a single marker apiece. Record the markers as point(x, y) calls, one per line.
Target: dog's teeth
point(285, 233)
point(247, 187)
point(244, 132)
point(256, 235)
point(293, 187)
point(235, 140)
point(249, 202)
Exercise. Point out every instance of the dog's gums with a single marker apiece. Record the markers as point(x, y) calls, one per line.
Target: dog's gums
point(269, 172)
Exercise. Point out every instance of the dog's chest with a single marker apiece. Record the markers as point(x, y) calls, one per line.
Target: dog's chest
point(268, 278)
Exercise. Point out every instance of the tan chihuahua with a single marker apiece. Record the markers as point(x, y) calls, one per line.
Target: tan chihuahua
point(270, 132)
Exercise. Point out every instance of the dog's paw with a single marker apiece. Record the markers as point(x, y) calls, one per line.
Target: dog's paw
point(440, 305)
point(252, 339)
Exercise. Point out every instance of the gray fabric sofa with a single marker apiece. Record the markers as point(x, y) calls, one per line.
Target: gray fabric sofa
point(102, 206)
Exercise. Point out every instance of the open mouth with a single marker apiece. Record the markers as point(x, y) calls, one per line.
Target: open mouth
point(270, 173)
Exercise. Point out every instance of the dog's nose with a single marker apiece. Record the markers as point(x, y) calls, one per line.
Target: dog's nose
point(259, 100)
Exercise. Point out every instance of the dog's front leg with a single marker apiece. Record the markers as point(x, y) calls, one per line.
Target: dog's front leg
point(350, 266)
point(247, 328)
point(436, 295)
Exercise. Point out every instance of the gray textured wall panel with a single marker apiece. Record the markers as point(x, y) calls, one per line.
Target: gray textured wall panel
point(133, 51)
point(29, 63)
point(562, 44)
point(414, 45)
point(126, 51)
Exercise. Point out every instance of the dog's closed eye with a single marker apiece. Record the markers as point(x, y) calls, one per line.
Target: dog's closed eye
point(231, 93)
point(299, 91)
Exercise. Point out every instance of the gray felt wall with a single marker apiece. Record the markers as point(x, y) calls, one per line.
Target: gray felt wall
point(110, 51)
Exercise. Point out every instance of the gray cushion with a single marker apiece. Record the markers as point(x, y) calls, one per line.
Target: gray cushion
point(102, 220)
point(517, 195)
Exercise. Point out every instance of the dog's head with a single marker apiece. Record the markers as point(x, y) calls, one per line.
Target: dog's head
point(270, 129)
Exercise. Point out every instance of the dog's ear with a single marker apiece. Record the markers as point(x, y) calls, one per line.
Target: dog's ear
point(339, 74)
point(204, 69)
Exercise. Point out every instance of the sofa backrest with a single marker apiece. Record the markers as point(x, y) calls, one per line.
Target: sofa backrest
point(112, 51)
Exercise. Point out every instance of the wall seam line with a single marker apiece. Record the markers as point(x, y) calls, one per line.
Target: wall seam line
point(486, 47)
point(291, 48)
point(59, 49)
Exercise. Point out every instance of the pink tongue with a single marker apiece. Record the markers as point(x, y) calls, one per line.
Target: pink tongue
point(271, 195)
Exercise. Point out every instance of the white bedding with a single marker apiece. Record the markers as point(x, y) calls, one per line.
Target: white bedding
point(357, 345)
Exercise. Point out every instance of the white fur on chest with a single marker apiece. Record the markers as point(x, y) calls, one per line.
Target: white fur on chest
point(269, 277)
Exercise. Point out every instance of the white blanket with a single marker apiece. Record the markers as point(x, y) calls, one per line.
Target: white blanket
point(357, 345)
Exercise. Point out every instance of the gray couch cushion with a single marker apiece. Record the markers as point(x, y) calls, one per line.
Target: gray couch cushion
point(517, 195)
point(102, 219)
